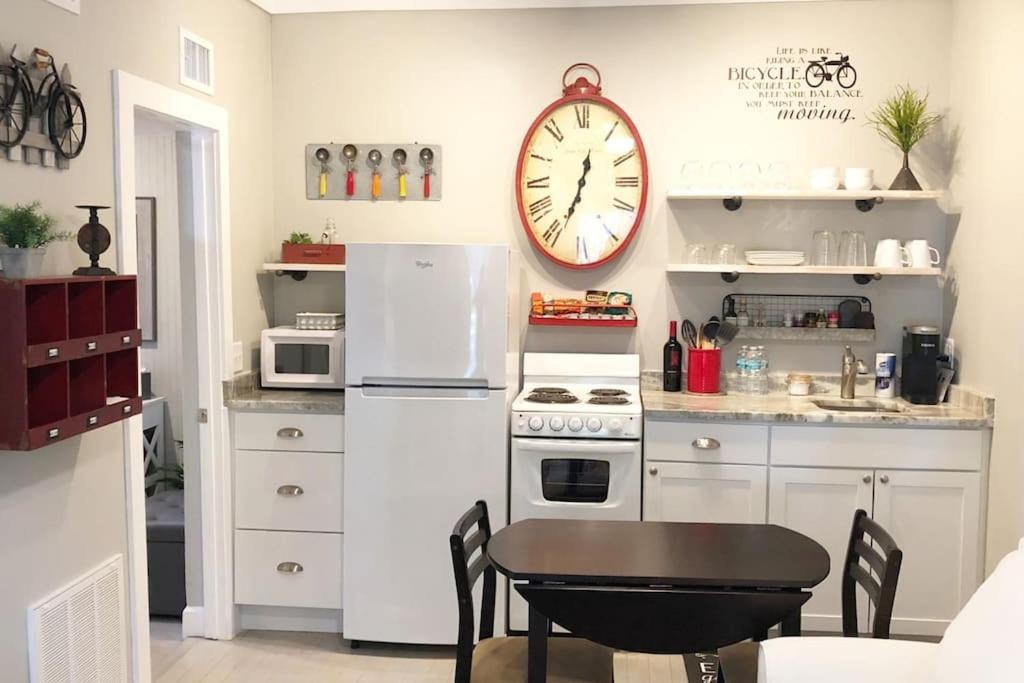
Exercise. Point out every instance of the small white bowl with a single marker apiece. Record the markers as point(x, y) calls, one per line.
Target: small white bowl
point(859, 179)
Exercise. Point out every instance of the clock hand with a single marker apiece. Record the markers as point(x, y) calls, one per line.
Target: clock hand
point(581, 183)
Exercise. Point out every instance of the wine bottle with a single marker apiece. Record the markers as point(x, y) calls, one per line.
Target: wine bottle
point(673, 361)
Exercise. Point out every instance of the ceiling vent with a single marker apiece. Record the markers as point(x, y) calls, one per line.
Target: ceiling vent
point(80, 633)
point(196, 56)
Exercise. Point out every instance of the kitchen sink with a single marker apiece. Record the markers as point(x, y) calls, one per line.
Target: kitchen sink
point(859, 405)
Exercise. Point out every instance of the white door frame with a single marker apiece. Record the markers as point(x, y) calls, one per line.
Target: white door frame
point(216, 618)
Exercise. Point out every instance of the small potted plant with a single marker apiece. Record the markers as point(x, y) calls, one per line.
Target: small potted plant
point(903, 120)
point(299, 248)
point(24, 233)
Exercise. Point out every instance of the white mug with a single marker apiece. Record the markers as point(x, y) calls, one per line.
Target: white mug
point(922, 255)
point(859, 179)
point(890, 254)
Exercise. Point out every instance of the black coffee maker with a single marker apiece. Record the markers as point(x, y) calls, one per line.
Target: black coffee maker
point(920, 380)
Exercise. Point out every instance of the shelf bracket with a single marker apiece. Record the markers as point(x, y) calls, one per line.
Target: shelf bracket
point(865, 205)
point(730, 277)
point(732, 203)
point(866, 279)
point(297, 275)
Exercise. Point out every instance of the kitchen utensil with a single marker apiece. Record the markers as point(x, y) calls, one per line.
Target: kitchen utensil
point(774, 258)
point(825, 178)
point(890, 254)
point(711, 331)
point(859, 179)
point(689, 333)
point(848, 311)
point(323, 155)
point(427, 159)
point(853, 249)
point(696, 253)
point(375, 157)
point(922, 255)
point(726, 333)
point(350, 152)
point(399, 157)
point(725, 254)
point(823, 251)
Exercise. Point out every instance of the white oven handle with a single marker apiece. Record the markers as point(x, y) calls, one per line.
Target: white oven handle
point(578, 447)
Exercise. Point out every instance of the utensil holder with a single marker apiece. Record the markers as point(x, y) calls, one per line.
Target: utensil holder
point(704, 371)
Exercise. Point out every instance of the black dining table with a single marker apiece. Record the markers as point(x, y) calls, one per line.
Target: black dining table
point(657, 587)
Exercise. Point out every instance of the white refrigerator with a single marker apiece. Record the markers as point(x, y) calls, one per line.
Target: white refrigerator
point(431, 368)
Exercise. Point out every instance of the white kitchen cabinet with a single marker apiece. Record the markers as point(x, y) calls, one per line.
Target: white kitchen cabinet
point(819, 503)
point(701, 492)
point(935, 518)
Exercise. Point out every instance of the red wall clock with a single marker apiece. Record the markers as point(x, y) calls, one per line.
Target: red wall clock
point(582, 178)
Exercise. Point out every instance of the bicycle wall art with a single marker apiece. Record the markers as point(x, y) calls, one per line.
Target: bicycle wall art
point(42, 116)
point(812, 84)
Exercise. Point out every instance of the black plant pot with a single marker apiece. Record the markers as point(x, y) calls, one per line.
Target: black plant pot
point(905, 179)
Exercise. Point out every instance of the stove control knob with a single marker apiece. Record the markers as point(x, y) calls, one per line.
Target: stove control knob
point(575, 424)
point(615, 425)
point(536, 423)
point(594, 424)
point(556, 424)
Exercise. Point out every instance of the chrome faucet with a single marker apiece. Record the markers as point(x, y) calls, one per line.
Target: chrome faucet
point(848, 385)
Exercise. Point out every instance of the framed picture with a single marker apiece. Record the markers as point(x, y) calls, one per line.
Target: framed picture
point(145, 223)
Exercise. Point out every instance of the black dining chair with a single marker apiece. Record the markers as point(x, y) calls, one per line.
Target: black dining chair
point(504, 659)
point(869, 544)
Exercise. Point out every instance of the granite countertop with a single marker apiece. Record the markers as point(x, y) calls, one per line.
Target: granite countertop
point(966, 409)
point(243, 392)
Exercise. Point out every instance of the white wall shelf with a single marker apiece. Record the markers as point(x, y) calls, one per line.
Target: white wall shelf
point(299, 271)
point(861, 274)
point(865, 201)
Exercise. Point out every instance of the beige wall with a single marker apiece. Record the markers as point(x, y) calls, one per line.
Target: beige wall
point(984, 294)
point(62, 507)
point(474, 81)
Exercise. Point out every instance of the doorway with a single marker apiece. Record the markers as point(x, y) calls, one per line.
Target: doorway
point(172, 210)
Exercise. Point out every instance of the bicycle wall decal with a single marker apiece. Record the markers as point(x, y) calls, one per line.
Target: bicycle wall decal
point(824, 70)
point(37, 90)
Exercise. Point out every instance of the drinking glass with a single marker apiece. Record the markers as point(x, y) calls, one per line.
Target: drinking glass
point(696, 253)
point(720, 175)
point(853, 249)
point(778, 175)
point(692, 175)
point(823, 252)
point(725, 254)
point(748, 175)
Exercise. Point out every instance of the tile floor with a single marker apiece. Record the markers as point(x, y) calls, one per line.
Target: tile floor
point(277, 656)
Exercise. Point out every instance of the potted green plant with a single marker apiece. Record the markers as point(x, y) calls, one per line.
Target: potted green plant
point(903, 120)
point(24, 233)
point(299, 248)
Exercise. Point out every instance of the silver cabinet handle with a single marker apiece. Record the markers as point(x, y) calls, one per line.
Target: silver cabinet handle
point(289, 433)
point(653, 470)
point(884, 479)
point(53, 353)
point(289, 568)
point(706, 443)
point(91, 346)
point(126, 340)
point(866, 479)
point(289, 490)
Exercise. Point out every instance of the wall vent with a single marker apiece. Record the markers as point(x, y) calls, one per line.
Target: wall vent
point(80, 633)
point(196, 56)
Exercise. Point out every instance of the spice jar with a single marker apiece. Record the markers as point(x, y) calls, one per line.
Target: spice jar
point(799, 384)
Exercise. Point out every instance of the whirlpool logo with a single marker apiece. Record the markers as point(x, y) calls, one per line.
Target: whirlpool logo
point(424, 263)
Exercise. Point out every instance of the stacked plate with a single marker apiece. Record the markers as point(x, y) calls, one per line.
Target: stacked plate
point(774, 258)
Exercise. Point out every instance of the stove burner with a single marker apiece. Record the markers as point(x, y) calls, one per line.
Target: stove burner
point(608, 392)
point(542, 397)
point(601, 400)
point(550, 390)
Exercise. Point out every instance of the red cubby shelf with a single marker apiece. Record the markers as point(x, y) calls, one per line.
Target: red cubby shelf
point(69, 353)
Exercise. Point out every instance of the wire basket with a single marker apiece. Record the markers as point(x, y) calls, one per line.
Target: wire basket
point(772, 310)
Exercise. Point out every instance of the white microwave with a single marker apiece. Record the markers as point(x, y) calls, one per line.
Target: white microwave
point(302, 359)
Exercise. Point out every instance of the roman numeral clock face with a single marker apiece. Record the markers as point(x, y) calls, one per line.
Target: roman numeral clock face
point(582, 182)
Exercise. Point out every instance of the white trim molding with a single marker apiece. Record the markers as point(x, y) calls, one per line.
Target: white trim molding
point(213, 291)
point(313, 6)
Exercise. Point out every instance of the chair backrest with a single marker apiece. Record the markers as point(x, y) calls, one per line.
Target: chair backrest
point(469, 560)
point(872, 544)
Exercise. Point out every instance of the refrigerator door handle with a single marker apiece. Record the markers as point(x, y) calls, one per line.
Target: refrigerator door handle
point(427, 382)
point(478, 394)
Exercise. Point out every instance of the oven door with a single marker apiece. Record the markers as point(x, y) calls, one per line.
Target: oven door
point(575, 479)
point(302, 359)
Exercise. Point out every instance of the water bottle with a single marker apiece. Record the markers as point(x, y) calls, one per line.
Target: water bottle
point(762, 370)
point(741, 369)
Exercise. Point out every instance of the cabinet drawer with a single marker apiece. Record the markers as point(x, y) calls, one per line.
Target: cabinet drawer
point(874, 447)
point(288, 491)
point(267, 569)
point(705, 442)
point(289, 432)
